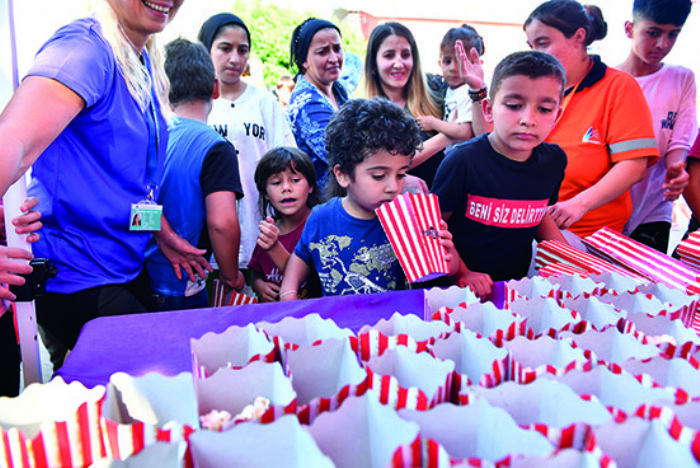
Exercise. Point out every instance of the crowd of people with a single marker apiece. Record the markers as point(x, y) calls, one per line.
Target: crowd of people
point(153, 167)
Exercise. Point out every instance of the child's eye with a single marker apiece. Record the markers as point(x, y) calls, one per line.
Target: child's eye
point(243, 50)
point(296, 180)
point(406, 55)
point(377, 176)
point(512, 106)
point(545, 110)
point(401, 175)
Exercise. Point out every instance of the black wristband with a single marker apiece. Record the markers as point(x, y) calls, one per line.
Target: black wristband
point(478, 95)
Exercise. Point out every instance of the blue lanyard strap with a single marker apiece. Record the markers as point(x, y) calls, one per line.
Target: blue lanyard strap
point(153, 145)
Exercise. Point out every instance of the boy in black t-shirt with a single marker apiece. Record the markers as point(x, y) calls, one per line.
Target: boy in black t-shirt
point(495, 189)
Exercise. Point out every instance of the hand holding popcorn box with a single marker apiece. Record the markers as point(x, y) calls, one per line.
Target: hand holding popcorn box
point(411, 222)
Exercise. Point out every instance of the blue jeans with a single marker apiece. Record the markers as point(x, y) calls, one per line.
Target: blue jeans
point(198, 301)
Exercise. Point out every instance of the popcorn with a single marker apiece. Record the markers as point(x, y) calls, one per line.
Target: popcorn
point(254, 411)
point(215, 420)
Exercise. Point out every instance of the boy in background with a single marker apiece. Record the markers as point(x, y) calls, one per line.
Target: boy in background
point(200, 182)
point(370, 145)
point(670, 93)
point(495, 189)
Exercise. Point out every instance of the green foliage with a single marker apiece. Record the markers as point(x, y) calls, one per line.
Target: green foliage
point(271, 29)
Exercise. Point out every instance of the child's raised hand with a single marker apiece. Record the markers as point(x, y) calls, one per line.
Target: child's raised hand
point(470, 69)
point(269, 233)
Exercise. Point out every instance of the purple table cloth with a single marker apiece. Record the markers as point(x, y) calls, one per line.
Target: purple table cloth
point(160, 341)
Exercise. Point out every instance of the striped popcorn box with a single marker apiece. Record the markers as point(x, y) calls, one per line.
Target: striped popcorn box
point(416, 370)
point(236, 390)
point(555, 269)
point(422, 452)
point(411, 222)
point(53, 424)
point(323, 375)
point(643, 260)
point(361, 433)
point(689, 250)
point(219, 297)
point(550, 251)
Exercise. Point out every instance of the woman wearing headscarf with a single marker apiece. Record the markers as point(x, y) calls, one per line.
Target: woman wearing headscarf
point(249, 117)
point(317, 51)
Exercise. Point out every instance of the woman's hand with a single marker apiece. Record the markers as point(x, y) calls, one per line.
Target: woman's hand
point(180, 253)
point(14, 262)
point(413, 184)
point(269, 233)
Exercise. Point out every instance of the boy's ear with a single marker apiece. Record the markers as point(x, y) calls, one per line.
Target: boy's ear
point(342, 178)
point(487, 109)
point(629, 29)
point(559, 111)
point(217, 89)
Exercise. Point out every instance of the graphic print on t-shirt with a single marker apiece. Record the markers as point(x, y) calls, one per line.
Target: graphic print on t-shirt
point(505, 213)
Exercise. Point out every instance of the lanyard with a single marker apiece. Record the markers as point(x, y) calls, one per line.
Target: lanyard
point(153, 145)
point(567, 99)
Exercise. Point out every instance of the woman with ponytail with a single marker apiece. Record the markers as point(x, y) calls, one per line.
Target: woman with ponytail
point(604, 126)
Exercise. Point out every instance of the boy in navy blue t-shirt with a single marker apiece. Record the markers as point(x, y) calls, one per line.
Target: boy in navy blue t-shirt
point(495, 189)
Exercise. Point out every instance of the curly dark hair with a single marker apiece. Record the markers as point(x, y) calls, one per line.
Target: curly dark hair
point(279, 160)
point(363, 127)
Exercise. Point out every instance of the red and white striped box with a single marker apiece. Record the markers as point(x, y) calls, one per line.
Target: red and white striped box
point(689, 250)
point(219, 297)
point(643, 260)
point(550, 252)
point(411, 222)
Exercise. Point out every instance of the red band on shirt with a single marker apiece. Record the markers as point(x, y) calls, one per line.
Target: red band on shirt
point(505, 213)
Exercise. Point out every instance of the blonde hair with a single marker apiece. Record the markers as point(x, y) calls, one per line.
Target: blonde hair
point(420, 100)
point(137, 78)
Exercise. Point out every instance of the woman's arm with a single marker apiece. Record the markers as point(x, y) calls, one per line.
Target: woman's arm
point(619, 179)
point(39, 110)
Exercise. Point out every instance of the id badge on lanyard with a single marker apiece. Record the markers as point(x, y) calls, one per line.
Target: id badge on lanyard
point(146, 214)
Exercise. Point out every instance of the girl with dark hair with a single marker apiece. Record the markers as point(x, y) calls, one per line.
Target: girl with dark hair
point(247, 116)
point(605, 125)
point(393, 71)
point(286, 180)
point(317, 52)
